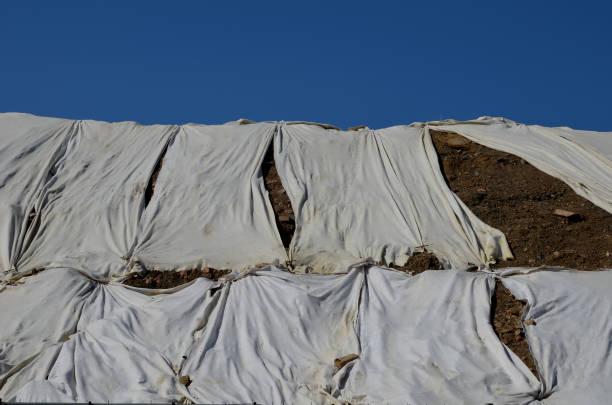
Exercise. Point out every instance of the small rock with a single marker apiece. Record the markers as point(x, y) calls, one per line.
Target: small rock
point(570, 216)
point(283, 218)
point(481, 190)
point(530, 322)
point(357, 128)
point(563, 213)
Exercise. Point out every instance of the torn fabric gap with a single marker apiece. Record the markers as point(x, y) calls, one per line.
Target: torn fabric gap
point(277, 196)
point(155, 173)
point(503, 326)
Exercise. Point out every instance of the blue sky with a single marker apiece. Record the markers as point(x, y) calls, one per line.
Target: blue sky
point(371, 63)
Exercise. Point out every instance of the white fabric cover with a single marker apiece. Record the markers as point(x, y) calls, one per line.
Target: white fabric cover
point(40, 312)
point(274, 339)
point(582, 159)
point(29, 146)
point(377, 194)
point(124, 344)
point(427, 339)
point(210, 206)
point(92, 204)
point(267, 336)
point(572, 335)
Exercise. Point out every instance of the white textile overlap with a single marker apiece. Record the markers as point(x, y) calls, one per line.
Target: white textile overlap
point(274, 339)
point(428, 340)
point(375, 194)
point(210, 206)
point(124, 344)
point(93, 202)
point(29, 146)
point(37, 315)
point(582, 159)
point(571, 333)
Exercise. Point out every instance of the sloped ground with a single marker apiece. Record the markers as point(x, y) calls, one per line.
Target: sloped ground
point(283, 213)
point(508, 193)
point(506, 315)
point(505, 192)
point(511, 195)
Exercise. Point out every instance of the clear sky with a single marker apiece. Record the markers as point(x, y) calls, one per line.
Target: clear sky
point(351, 63)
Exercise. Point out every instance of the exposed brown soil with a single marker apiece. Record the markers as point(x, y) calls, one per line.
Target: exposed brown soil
point(185, 380)
point(418, 263)
point(283, 212)
point(171, 278)
point(506, 313)
point(513, 196)
point(151, 185)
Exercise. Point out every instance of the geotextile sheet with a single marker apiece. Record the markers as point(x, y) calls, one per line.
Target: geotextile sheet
point(73, 214)
point(210, 207)
point(29, 147)
point(375, 194)
point(569, 331)
point(265, 335)
point(92, 203)
point(582, 159)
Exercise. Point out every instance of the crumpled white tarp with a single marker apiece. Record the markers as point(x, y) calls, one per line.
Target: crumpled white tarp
point(29, 146)
point(210, 206)
point(41, 312)
point(571, 340)
point(427, 339)
point(92, 204)
point(377, 194)
point(275, 338)
point(99, 342)
point(582, 159)
point(267, 336)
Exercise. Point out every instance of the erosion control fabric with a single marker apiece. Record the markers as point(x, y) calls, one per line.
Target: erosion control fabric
point(81, 208)
point(377, 194)
point(582, 159)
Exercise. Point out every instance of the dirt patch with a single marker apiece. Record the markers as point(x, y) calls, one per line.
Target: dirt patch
point(418, 263)
point(171, 278)
point(509, 194)
point(283, 212)
point(185, 380)
point(506, 315)
point(151, 185)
